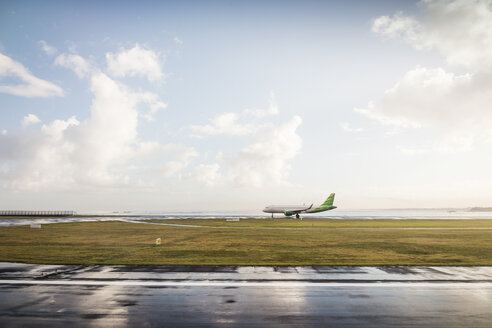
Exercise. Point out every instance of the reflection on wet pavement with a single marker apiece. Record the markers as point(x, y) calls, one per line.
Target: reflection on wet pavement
point(127, 296)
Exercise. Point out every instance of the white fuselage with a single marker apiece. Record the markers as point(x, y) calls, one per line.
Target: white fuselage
point(285, 208)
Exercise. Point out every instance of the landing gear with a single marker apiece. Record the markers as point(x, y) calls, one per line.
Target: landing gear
point(297, 216)
point(272, 215)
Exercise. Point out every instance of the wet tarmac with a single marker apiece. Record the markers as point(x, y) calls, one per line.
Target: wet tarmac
point(214, 296)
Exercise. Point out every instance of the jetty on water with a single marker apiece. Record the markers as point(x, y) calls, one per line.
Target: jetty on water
point(36, 213)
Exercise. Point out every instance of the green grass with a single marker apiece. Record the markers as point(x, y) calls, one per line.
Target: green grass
point(128, 243)
point(335, 223)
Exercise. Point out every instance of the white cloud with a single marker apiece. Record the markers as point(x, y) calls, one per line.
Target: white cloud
point(171, 168)
point(36, 159)
point(374, 113)
point(55, 129)
point(74, 62)
point(181, 152)
point(154, 149)
point(265, 159)
point(88, 153)
point(178, 40)
point(399, 26)
point(226, 124)
point(109, 136)
point(260, 113)
point(461, 30)
point(102, 151)
point(137, 61)
point(456, 107)
point(30, 119)
point(31, 86)
point(229, 123)
point(208, 174)
point(4, 132)
point(154, 103)
point(50, 50)
point(411, 151)
point(182, 155)
point(347, 128)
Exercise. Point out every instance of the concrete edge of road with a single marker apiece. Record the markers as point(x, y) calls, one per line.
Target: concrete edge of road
point(237, 276)
point(62, 282)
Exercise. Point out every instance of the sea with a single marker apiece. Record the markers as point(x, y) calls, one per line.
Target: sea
point(393, 214)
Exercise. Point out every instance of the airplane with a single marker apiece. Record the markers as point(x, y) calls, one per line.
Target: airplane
point(290, 210)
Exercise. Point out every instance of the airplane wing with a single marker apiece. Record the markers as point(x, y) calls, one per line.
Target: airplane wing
point(303, 209)
point(299, 210)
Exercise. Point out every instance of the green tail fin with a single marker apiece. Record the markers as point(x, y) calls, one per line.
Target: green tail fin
point(329, 201)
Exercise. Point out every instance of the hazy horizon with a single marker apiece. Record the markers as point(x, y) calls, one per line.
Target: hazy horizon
point(218, 105)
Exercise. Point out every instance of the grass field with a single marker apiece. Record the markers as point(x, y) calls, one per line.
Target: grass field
point(129, 243)
point(334, 223)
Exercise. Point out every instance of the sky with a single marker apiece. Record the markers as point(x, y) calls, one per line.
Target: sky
point(235, 105)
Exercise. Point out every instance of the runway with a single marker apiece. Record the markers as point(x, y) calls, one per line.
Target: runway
point(212, 296)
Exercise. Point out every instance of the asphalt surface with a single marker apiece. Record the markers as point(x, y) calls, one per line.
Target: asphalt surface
point(214, 296)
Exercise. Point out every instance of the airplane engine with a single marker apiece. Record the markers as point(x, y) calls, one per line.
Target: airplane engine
point(288, 213)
